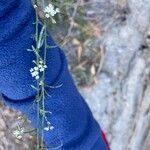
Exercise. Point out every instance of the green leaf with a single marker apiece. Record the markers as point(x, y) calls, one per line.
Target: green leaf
point(34, 87)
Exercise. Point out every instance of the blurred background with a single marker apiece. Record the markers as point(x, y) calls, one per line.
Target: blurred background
point(107, 43)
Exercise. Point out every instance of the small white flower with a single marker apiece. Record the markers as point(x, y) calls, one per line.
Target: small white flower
point(41, 82)
point(46, 128)
point(40, 66)
point(49, 127)
point(42, 69)
point(31, 70)
point(35, 6)
point(45, 66)
point(18, 133)
point(49, 8)
point(19, 117)
point(57, 10)
point(36, 68)
point(34, 73)
point(37, 77)
point(40, 62)
point(52, 127)
point(47, 15)
point(50, 12)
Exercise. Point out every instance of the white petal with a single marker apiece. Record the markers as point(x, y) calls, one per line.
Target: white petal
point(42, 69)
point(41, 62)
point(46, 128)
point(45, 66)
point(50, 6)
point(51, 128)
point(47, 15)
point(31, 69)
point(37, 77)
point(57, 10)
point(36, 68)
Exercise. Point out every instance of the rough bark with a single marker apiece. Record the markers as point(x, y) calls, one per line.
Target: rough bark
point(121, 99)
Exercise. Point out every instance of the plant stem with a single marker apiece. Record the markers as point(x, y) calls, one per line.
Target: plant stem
point(38, 94)
point(43, 81)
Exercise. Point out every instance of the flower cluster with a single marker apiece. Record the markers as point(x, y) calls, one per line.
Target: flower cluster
point(18, 133)
point(35, 72)
point(49, 125)
point(50, 12)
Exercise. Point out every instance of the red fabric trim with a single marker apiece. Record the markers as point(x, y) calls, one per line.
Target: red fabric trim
point(105, 139)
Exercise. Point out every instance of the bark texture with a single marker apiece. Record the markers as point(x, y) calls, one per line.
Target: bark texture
point(121, 98)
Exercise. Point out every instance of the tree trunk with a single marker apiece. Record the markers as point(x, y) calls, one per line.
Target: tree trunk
point(121, 98)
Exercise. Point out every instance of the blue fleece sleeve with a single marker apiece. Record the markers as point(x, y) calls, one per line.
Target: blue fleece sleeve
point(74, 126)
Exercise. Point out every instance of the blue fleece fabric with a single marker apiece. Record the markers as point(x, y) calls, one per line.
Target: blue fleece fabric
point(74, 126)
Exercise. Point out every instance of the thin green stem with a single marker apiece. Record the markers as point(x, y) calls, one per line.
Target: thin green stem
point(43, 81)
point(40, 97)
point(38, 94)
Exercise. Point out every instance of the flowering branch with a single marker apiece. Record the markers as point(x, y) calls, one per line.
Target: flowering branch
point(38, 73)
